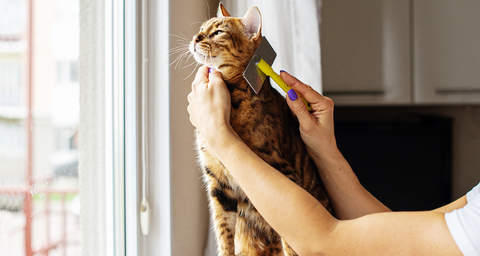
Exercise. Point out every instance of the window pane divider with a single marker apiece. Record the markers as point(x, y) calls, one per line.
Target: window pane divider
point(115, 105)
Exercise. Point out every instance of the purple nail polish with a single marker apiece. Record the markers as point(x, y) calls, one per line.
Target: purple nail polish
point(292, 95)
point(283, 71)
point(210, 70)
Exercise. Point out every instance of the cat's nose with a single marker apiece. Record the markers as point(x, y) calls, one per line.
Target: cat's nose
point(198, 38)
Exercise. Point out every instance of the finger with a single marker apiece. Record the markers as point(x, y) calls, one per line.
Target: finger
point(308, 92)
point(201, 77)
point(190, 97)
point(190, 112)
point(192, 122)
point(202, 73)
point(215, 78)
point(305, 118)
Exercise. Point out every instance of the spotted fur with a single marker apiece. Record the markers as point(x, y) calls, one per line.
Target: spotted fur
point(265, 124)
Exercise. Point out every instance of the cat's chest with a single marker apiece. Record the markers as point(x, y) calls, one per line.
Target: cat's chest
point(260, 117)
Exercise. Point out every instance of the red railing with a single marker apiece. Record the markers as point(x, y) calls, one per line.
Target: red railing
point(27, 201)
point(48, 244)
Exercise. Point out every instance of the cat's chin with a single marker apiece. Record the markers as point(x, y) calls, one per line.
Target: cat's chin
point(206, 60)
point(200, 58)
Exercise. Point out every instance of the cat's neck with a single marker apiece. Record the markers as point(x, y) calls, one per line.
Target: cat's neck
point(242, 94)
point(231, 74)
point(248, 107)
point(241, 91)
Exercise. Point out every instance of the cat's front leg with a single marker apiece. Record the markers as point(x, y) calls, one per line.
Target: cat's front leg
point(253, 235)
point(224, 224)
point(223, 209)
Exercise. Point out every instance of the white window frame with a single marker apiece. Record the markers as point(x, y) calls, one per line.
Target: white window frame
point(123, 170)
point(171, 162)
point(121, 133)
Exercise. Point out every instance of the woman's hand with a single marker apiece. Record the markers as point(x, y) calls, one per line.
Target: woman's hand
point(209, 103)
point(349, 198)
point(316, 127)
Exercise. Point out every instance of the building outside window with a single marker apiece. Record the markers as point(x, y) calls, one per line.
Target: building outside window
point(39, 202)
point(70, 129)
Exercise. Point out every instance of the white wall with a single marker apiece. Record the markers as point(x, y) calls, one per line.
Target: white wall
point(189, 208)
point(177, 198)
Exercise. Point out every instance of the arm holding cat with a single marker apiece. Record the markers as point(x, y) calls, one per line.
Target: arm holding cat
point(294, 213)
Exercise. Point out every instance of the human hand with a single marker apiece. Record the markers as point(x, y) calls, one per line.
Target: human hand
point(316, 127)
point(209, 103)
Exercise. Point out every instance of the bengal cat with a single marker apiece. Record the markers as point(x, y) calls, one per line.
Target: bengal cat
point(265, 124)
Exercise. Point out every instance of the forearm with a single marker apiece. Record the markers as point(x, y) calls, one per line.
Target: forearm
point(457, 204)
point(290, 210)
point(349, 198)
point(391, 233)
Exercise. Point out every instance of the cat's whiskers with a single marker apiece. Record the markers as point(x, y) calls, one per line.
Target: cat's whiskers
point(189, 65)
point(181, 36)
point(196, 22)
point(178, 49)
point(188, 55)
point(183, 46)
point(205, 59)
point(193, 70)
point(208, 8)
point(183, 56)
point(211, 59)
point(182, 42)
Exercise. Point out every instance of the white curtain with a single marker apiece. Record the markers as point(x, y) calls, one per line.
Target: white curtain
point(292, 28)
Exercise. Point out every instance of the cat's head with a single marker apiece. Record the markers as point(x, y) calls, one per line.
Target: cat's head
point(228, 43)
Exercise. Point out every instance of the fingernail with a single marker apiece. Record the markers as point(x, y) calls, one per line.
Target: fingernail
point(283, 71)
point(210, 70)
point(292, 95)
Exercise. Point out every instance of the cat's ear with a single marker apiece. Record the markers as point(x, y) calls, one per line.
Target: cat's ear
point(253, 24)
point(221, 11)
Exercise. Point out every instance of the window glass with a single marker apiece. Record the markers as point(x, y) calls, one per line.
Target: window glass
point(39, 203)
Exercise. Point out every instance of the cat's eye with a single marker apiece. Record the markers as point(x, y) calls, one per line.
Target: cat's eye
point(217, 32)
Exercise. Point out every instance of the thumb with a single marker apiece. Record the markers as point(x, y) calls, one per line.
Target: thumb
point(215, 78)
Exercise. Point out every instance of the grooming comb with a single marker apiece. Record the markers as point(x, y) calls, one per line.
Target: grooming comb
point(259, 68)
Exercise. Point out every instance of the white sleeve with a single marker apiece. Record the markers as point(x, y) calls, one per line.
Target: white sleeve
point(464, 224)
point(474, 193)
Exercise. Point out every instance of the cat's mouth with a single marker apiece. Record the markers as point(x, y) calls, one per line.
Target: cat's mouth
point(203, 58)
point(200, 55)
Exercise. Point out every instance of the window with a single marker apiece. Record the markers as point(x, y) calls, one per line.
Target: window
point(68, 130)
point(67, 72)
point(39, 117)
point(10, 77)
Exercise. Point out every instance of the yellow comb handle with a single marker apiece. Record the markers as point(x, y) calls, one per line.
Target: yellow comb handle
point(265, 68)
